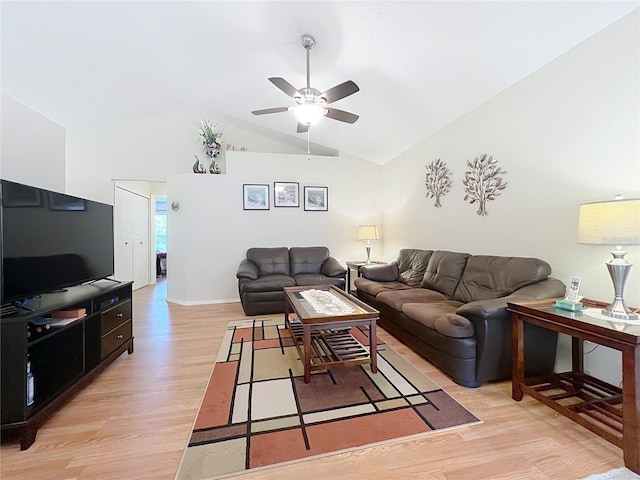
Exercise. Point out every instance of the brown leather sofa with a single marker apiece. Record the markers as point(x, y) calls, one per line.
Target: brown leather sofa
point(264, 273)
point(450, 307)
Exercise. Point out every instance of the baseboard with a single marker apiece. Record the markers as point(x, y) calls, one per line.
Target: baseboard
point(202, 302)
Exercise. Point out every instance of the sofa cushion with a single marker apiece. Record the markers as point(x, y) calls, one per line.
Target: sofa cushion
point(268, 283)
point(374, 288)
point(307, 279)
point(444, 271)
point(486, 277)
point(307, 259)
point(453, 325)
point(412, 263)
point(396, 298)
point(270, 260)
point(428, 313)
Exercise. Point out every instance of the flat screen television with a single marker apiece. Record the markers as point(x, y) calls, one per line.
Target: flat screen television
point(51, 241)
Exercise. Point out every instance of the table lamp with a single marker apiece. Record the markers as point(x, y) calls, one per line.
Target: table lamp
point(368, 233)
point(613, 222)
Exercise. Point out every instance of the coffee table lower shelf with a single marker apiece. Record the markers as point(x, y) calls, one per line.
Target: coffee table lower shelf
point(588, 401)
point(333, 346)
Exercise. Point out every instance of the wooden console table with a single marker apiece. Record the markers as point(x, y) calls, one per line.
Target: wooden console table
point(611, 412)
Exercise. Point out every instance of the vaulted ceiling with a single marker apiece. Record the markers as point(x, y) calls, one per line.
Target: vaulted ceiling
point(419, 64)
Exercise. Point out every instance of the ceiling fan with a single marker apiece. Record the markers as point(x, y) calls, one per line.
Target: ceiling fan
point(311, 105)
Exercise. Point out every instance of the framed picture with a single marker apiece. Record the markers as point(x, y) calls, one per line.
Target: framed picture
point(256, 197)
point(286, 194)
point(316, 198)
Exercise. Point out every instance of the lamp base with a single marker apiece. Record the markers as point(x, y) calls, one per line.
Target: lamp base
point(619, 270)
point(368, 254)
point(619, 310)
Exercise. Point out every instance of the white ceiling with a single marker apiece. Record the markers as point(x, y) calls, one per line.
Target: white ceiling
point(419, 64)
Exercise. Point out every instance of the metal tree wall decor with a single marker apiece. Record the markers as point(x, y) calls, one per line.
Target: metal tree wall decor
point(437, 180)
point(482, 182)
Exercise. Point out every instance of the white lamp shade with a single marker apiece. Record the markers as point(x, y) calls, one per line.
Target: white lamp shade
point(614, 222)
point(368, 232)
point(308, 113)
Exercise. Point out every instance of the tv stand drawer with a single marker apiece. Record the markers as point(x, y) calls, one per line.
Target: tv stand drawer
point(116, 337)
point(115, 316)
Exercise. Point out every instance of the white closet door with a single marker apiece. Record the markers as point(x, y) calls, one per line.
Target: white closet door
point(131, 231)
point(140, 242)
point(123, 232)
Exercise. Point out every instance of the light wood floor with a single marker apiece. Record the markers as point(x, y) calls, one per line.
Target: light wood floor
point(134, 421)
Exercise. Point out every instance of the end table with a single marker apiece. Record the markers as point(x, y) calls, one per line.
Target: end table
point(609, 411)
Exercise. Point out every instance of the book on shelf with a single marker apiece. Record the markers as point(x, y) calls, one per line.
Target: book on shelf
point(75, 313)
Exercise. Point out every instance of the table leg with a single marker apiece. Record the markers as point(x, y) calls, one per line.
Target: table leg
point(631, 408)
point(306, 342)
point(577, 355)
point(517, 360)
point(286, 311)
point(577, 362)
point(373, 345)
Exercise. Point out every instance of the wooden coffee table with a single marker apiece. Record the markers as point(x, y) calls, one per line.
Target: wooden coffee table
point(323, 338)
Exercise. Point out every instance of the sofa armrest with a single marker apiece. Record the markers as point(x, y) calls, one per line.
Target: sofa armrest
point(492, 325)
point(381, 272)
point(247, 269)
point(332, 268)
point(548, 288)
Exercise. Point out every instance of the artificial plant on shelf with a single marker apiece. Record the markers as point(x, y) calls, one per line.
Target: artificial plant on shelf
point(211, 142)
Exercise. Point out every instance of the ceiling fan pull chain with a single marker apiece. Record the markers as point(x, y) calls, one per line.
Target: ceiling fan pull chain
point(308, 151)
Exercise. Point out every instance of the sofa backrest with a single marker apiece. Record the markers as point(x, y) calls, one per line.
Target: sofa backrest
point(412, 263)
point(487, 277)
point(444, 271)
point(307, 259)
point(270, 260)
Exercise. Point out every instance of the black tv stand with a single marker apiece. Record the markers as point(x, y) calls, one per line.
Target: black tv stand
point(63, 359)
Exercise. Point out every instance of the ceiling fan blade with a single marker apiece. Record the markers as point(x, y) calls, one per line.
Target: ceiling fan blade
point(341, 115)
point(340, 91)
point(285, 86)
point(270, 110)
point(302, 128)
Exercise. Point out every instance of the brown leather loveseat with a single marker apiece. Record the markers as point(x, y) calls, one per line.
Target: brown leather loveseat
point(451, 308)
point(264, 273)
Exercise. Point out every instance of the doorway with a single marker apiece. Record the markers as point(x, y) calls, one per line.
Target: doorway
point(135, 231)
point(161, 235)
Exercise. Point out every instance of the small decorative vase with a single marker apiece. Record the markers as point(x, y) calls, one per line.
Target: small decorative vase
point(198, 167)
point(214, 168)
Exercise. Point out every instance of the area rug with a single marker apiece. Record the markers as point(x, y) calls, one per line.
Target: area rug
point(258, 412)
point(615, 474)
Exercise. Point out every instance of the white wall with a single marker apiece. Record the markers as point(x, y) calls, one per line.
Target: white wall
point(209, 235)
point(569, 133)
point(32, 149)
point(150, 149)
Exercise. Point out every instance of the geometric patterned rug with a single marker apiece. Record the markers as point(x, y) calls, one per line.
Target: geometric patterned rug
point(258, 412)
point(615, 474)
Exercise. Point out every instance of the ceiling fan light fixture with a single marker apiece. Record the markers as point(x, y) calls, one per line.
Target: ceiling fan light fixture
point(309, 113)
